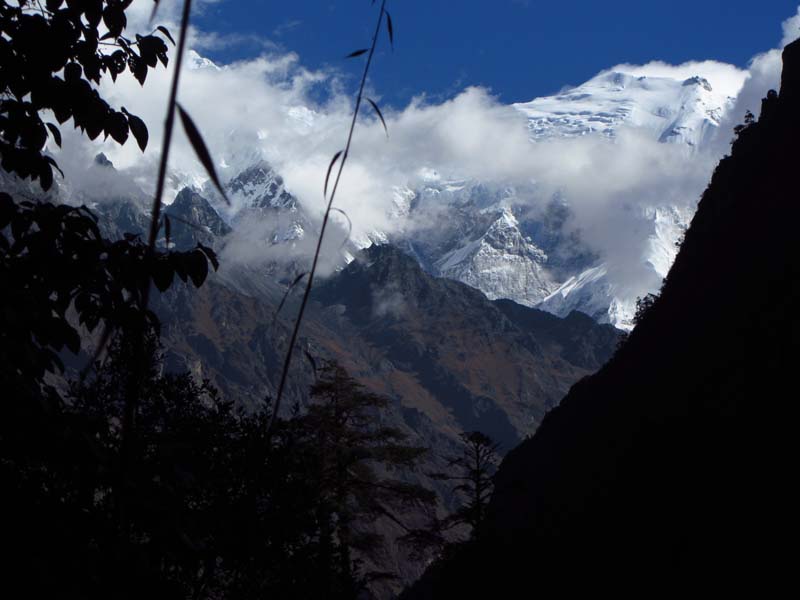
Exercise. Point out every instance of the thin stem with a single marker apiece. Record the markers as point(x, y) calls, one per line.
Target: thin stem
point(131, 396)
point(326, 217)
point(168, 127)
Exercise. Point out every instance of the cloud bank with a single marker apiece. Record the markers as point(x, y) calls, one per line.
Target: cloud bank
point(265, 108)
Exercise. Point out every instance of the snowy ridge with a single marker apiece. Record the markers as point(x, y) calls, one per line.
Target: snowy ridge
point(671, 110)
point(591, 291)
point(502, 263)
point(670, 223)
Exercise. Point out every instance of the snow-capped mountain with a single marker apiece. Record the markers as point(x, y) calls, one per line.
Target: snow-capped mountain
point(502, 262)
point(491, 241)
point(509, 241)
point(671, 110)
point(593, 292)
point(469, 232)
point(259, 194)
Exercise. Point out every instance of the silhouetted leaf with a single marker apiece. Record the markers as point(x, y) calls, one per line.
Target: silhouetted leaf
point(197, 267)
point(139, 69)
point(162, 274)
point(380, 115)
point(150, 47)
point(138, 129)
point(56, 133)
point(93, 12)
point(167, 229)
point(328, 175)
point(45, 178)
point(72, 72)
point(165, 31)
point(201, 150)
point(210, 254)
point(357, 53)
point(390, 28)
point(52, 162)
point(286, 294)
point(349, 224)
point(312, 361)
point(115, 19)
point(116, 126)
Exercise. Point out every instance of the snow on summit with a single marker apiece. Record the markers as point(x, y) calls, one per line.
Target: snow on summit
point(554, 216)
point(674, 104)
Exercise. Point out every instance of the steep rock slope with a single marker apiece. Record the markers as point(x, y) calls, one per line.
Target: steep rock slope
point(446, 350)
point(671, 467)
point(439, 348)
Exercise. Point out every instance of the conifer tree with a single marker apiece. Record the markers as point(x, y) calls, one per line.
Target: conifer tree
point(474, 469)
point(357, 457)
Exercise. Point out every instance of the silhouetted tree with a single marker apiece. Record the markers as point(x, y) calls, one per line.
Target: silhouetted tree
point(749, 119)
point(54, 259)
point(474, 470)
point(217, 503)
point(356, 455)
point(61, 280)
point(643, 306)
point(216, 506)
point(51, 53)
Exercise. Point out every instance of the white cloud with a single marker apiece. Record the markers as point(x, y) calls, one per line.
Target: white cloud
point(725, 78)
point(265, 108)
point(763, 74)
point(791, 29)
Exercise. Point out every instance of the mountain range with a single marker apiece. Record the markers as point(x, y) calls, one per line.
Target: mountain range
point(517, 241)
point(448, 358)
point(482, 320)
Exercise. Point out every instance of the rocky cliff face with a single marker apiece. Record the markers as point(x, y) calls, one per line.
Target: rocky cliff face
point(671, 466)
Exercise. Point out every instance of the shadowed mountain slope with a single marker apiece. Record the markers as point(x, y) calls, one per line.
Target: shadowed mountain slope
point(671, 466)
point(440, 348)
point(448, 358)
point(494, 366)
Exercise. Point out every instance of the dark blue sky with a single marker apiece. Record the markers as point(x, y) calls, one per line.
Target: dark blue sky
point(519, 49)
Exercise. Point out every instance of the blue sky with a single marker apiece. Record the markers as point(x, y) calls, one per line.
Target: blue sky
point(519, 49)
point(470, 62)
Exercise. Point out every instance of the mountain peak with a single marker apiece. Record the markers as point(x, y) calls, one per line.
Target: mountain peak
point(195, 220)
point(195, 61)
point(260, 186)
point(701, 81)
point(102, 160)
point(662, 103)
